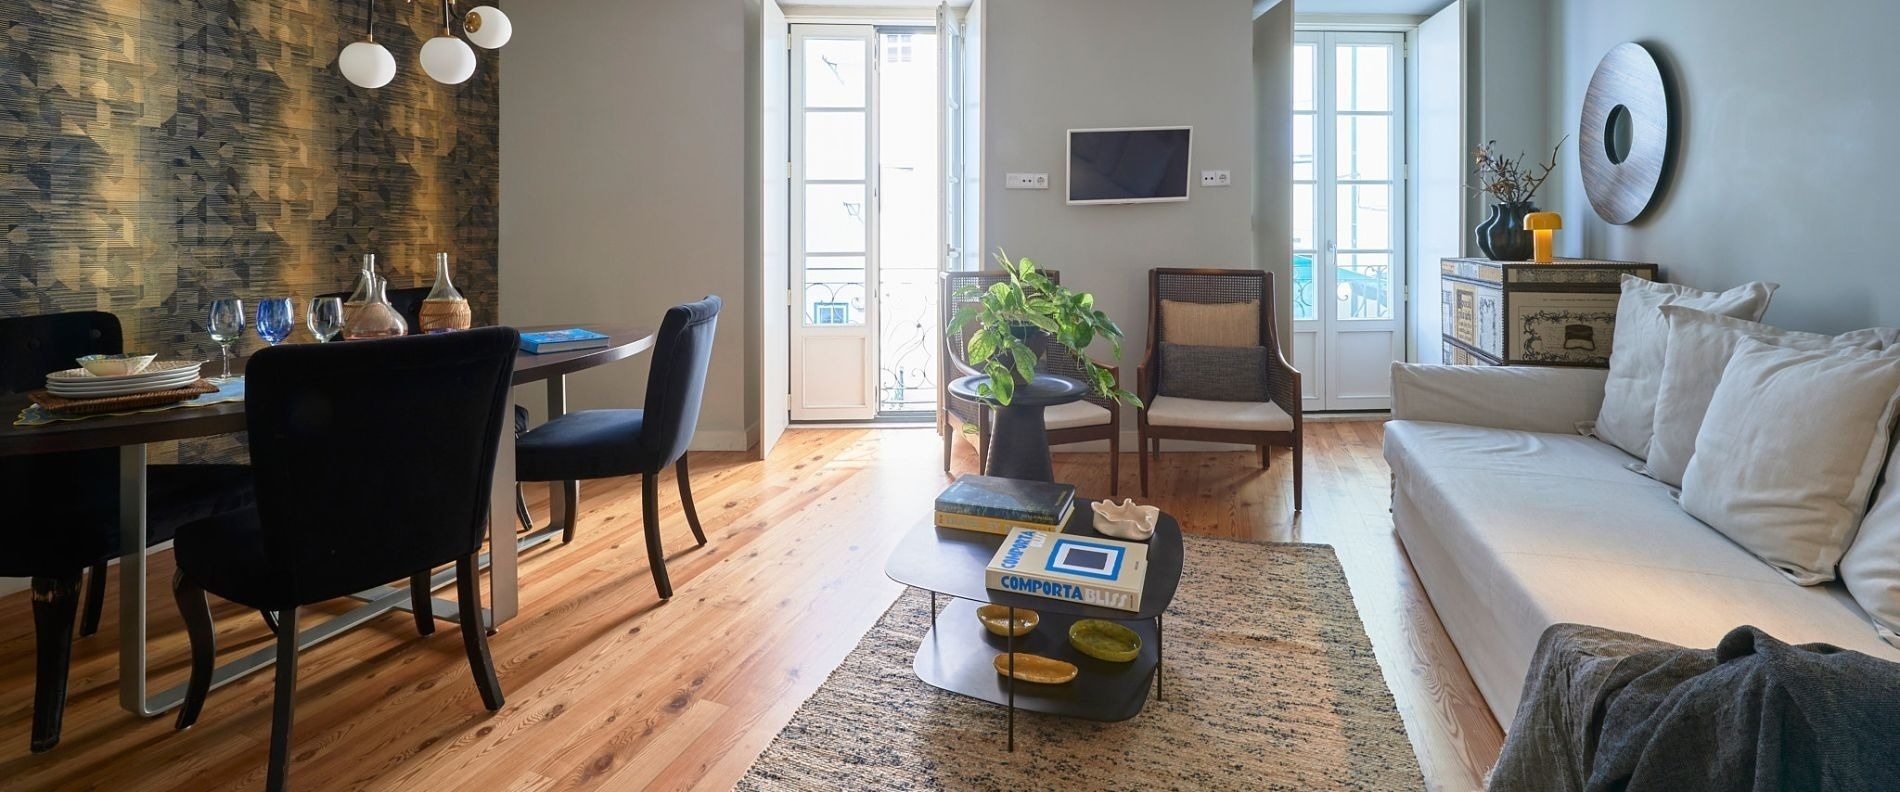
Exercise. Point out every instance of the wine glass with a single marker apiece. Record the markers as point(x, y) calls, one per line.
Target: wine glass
point(226, 325)
point(275, 318)
point(325, 318)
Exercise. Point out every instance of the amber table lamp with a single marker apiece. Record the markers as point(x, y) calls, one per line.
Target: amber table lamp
point(1542, 226)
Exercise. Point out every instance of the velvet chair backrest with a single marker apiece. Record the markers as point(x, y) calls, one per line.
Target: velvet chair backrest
point(336, 432)
point(676, 381)
point(61, 507)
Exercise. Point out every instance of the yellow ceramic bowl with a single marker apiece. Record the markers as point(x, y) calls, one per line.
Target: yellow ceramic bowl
point(995, 618)
point(1038, 669)
point(1104, 640)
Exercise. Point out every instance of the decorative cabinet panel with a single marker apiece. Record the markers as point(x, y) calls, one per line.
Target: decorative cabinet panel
point(1515, 313)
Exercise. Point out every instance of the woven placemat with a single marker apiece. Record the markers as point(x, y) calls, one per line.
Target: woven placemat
point(130, 401)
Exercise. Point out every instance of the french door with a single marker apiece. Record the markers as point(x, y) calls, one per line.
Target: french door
point(1348, 216)
point(834, 223)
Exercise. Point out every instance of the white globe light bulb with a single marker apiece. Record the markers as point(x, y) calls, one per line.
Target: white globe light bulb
point(487, 27)
point(367, 64)
point(448, 60)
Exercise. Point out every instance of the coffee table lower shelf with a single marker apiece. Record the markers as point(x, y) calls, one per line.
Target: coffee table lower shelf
point(957, 653)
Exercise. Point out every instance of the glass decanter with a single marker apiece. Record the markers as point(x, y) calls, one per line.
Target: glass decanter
point(444, 309)
point(376, 318)
point(365, 288)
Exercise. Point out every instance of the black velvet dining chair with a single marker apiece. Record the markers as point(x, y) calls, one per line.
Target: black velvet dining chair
point(342, 506)
point(63, 508)
point(593, 444)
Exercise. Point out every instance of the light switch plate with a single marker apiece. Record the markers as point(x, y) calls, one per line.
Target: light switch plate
point(1217, 178)
point(1027, 181)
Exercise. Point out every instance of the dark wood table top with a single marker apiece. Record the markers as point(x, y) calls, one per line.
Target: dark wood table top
point(951, 561)
point(112, 432)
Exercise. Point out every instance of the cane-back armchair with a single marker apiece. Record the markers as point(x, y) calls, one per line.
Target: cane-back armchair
point(1214, 370)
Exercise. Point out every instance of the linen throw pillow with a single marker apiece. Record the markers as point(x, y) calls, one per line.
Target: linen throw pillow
point(1211, 324)
point(1789, 451)
point(1628, 416)
point(1699, 348)
point(1871, 567)
point(1212, 373)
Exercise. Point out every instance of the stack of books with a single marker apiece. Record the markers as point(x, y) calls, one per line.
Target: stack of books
point(1100, 572)
point(999, 505)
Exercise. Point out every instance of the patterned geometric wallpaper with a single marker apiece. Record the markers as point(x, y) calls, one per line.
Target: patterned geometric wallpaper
point(159, 154)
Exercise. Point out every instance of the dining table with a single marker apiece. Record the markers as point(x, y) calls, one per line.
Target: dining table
point(131, 434)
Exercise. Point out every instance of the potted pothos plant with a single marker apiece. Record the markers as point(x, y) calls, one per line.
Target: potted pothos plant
point(1017, 318)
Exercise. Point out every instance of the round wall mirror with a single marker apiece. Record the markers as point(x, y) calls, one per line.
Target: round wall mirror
point(1625, 146)
point(1617, 133)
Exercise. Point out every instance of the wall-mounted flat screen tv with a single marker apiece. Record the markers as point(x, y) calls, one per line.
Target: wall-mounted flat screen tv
point(1135, 165)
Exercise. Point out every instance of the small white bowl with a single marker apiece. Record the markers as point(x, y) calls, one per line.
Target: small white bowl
point(116, 365)
point(1126, 520)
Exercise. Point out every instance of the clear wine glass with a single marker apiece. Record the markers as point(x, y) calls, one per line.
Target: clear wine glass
point(275, 318)
point(226, 326)
point(325, 319)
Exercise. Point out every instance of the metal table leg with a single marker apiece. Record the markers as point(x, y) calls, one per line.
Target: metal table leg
point(503, 595)
point(1160, 648)
point(132, 582)
point(1011, 648)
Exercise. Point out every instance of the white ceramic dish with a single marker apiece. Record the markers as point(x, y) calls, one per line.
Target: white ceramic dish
point(123, 390)
point(1126, 520)
point(116, 389)
point(116, 365)
point(156, 371)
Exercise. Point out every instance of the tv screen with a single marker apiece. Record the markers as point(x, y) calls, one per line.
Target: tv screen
point(1128, 165)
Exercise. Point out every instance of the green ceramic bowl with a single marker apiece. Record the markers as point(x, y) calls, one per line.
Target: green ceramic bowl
point(1104, 640)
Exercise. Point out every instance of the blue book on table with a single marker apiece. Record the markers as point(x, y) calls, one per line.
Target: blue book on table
point(561, 341)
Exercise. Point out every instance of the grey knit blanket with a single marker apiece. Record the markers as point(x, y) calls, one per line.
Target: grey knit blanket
point(1605, 710)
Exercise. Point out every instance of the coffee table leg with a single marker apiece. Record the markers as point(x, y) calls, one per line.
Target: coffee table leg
point(933, 607)
point(1160, 645)
point(1011, 644)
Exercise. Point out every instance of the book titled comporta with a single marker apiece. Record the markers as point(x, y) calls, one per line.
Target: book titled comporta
point(561, 341)
point(996, 505)
point(1100, 572)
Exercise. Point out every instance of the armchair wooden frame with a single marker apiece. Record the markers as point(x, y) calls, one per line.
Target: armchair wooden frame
point(1283, 381)
point(953, 413)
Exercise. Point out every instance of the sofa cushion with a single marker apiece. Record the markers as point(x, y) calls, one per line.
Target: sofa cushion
point(1699, 348)
point(1628, 416)
point(1243, 416)
point(1785, 477)
point(1871, 567)
point(1511, 532)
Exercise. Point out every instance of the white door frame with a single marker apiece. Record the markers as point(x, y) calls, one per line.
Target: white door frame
point(827, 346)
point(1351, 356)
point(775, 269)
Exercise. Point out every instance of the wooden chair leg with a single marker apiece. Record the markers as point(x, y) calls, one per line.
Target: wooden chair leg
point(281, 708)
point(650, 514)
point(1141, 457)
point(95, 600)
point(521, 509)
point(204, 646)
point(468, 597)
point(686, 499)
point(420, 602)
point(1299, 473)
point(55, 605)
point(1266, 457)
point(570, 495)
point(1115, 461)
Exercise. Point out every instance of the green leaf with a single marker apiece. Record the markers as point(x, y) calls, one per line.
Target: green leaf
point(982, 346)
point(1025, 360)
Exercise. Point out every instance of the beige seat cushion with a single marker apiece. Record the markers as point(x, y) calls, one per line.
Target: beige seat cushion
point(1211, 324)
point(1243, 416)
point(1075, 414)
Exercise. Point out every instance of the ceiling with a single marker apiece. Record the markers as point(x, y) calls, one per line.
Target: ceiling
point(1405, 7)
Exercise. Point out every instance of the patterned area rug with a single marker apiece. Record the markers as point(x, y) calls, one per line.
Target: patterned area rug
point(1271, 684)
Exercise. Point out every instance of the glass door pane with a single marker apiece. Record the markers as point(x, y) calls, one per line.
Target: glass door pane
point(1306, 153)
point(1365, 151)
point(835, 147)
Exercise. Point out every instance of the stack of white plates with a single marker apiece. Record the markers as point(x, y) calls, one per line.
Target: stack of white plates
point(82, 384)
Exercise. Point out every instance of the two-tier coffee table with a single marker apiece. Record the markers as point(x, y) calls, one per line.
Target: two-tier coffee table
point(957, 654)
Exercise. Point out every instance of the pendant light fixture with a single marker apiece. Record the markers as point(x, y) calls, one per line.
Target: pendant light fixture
point(445, 58)
point(366, 63)
point(487, 27)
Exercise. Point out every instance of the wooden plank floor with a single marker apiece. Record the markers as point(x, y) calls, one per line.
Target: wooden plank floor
point(608, 688)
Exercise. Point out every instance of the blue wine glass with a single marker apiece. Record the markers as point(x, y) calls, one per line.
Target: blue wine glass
point(274, 320)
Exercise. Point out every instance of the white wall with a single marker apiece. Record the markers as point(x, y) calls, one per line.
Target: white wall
point(623, 165)
point(1507, 91)
point(1054, 65)
point(1787, 113)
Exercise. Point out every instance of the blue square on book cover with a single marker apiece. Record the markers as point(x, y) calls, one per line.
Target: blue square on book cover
point(1087, 559)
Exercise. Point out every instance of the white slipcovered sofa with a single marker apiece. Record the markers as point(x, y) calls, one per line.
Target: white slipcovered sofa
point(1514, 522)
